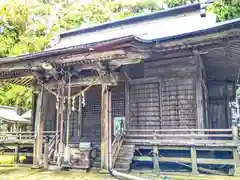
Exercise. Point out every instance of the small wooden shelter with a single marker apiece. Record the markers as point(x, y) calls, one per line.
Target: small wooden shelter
point(166, 79)
point(11, 121)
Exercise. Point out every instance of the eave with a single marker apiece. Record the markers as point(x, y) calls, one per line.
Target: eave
point(117, 49)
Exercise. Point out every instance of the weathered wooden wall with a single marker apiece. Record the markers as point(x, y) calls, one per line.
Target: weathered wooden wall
point(175, 68)
point(219, 112)
point(179, 104)
point(163, 104)
point(169, 101)
point(49, 109)
point(144, 105)
point(162, 93)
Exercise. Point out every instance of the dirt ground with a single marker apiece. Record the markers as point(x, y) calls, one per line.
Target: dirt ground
point(16, 173)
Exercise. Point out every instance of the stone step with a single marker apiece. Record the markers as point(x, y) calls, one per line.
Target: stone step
point(96, 164)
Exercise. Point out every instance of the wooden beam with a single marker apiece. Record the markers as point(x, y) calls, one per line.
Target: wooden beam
point(36, 62)
point(86, 81)
point(178, 136)
point(186, 160)
point(85, 58)
point(179, 130)
point(163, 159)
point(176, 142)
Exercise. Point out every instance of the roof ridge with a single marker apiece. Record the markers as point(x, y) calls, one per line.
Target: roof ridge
point(136, 19)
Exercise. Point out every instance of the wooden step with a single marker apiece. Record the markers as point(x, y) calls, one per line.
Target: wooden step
point(125, 158)
point(124, 170)
point(122, 165)
point(122, 160)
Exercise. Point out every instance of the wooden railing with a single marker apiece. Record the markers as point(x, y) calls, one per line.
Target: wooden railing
point(181, 136)
point(23, 136)
point(52, 146)
point(116, 145)
point(4, 136)
point(192, 140)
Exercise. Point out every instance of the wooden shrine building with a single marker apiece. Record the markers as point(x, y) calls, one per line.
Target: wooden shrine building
point(158, 81)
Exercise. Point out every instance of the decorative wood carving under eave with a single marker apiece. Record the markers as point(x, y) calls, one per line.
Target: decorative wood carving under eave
point(13, 74)
point(86, 81)
point(87, 58)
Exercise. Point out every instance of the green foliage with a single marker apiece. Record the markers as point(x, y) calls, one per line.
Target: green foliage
point(175, 3)
point(8, 159)
point(225, 9)
point(238, 92)
point(30, 28)
point(14, 95)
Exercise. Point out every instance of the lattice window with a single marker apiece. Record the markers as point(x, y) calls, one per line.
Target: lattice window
point(144, 106)
point(118, 108)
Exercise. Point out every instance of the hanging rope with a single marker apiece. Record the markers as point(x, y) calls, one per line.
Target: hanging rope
point(77, 94)
point(61, 114)
point(69, 108)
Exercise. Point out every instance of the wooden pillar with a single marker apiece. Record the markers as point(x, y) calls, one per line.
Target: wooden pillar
point(155, 156)
point(57, 125)
point(235, 133)
point(38, 130)
point(199, 98)
point(194, 160)
point(236, 156)
point(127, 105)
point(155, 159)
point(45, 155)
point(17, 154)
point(34, 109)
point(80, 118)
point(11, 127)
point(236, 159)
point(110, 129)
point(105, 128)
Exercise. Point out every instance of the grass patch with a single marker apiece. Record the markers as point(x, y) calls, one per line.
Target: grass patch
point(9, 159)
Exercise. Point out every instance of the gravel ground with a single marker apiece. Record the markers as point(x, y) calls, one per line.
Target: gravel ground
point(14, 173)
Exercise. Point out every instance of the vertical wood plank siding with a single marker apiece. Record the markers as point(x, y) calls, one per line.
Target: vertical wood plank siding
point(144, 106)
point(170, 102)
point(220, 94)
point(178, 104)
point(49, 112)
